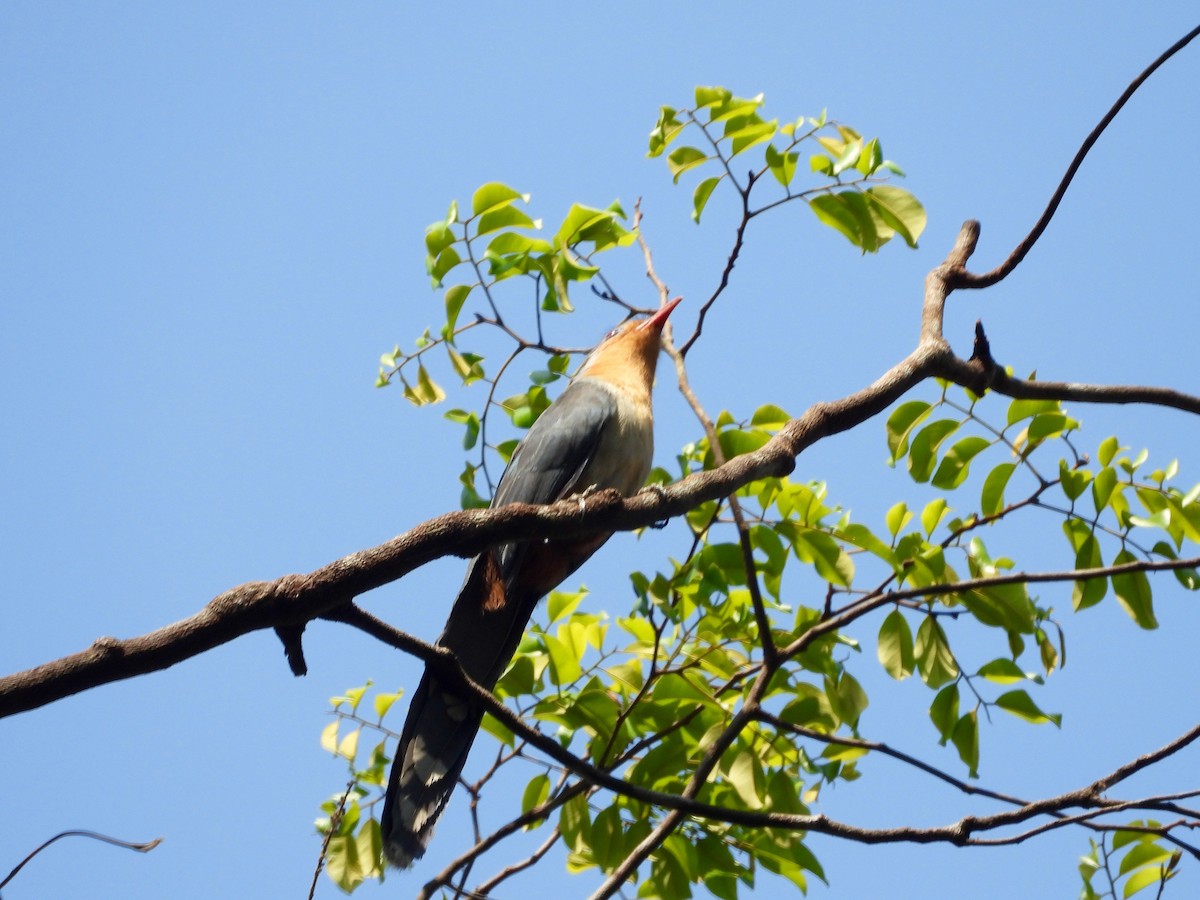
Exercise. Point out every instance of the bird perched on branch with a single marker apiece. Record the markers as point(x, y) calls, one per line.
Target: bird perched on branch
point(598, 434)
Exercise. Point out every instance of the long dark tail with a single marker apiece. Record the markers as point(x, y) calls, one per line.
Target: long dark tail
point(442, 722)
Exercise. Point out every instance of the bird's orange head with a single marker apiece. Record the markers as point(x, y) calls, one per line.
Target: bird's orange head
point(628, 354)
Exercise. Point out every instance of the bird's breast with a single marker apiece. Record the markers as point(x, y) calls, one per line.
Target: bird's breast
point(626, 449)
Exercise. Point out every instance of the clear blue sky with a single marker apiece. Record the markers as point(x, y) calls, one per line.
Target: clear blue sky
point(210, 227)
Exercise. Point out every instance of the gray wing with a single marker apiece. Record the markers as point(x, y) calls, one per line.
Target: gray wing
point(548, 463)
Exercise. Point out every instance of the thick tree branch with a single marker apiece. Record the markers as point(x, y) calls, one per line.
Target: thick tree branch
point(981, 372)
point(292, 600)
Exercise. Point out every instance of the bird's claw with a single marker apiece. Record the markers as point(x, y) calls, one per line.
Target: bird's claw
point(658, 491)
point(583, 495)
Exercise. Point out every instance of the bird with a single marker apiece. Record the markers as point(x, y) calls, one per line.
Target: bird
point(597, 434)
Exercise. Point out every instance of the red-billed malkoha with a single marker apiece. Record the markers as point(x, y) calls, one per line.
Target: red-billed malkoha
point(597, 434)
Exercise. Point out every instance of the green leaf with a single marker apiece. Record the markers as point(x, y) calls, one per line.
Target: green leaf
point(746, 775)
point(536, 793)
point(1049, 425)
point(847, 157)
point(1025, 409)
point(895, 647)
point(923, 453)
point(1002, 671)
point(770, 417)
point(369, 845)
point(562, 604)
point(736, 442)
point(847, 212)
point(455, 297)
point(1189, 578)
point(564, 661)
point(342, 864)
point(1103, 486)
point(900, 210)
point(847, 698)
point(1048, 652)
point(426, 391)
point(1125, 838)
point(966, 740)
point(329, 737)
point(599, 226)
point(438, 237)
point(752, 131)
point(683, 158)
point(1143, 853)
point(897, 518)
point(1004, 606)
point(735, 108)
point(901, 422)
point(817, 548)
point(871, 157)
point(607, 842)
point(348, 746)
point(934, 658)
point(782, 165)
point(493, 196)
point(1133, 592)
point(466, 366)
point(384, 701)
point(439, 266)
point(504, 217)
point(1087, 556)
point(1142, 880)
point(1074, 481)
point(711, 96)
point(943, 712)
point(700, 197)
point(1107, 450)
point(955, 465)
point(665, 130)
point(498, 730)
point(991, 499)
point(935, 510)
point(1020, 704)
point(575, 823)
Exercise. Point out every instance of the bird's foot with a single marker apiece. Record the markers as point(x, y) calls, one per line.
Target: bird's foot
point(582, 496)
point(658, 491)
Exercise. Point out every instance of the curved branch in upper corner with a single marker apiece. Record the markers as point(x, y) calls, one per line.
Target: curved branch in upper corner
point(965, 279)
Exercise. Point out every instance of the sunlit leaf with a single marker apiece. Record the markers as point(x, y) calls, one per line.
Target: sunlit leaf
point(900, 209)
point(700, 197)
point(965, 738)
point(991, 499)
point(1134, 593)
point(1020, 704)
point(895, 646)
point(683, 158)
point(493, 196)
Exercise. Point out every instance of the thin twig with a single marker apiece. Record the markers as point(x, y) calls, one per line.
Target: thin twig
point(966, 279)
point(334, 820)
point(145, 847)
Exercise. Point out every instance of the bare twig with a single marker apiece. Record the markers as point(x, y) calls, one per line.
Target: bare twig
point(145, 847)
point(965, 279)
point(334, 820)
point(508, 871)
